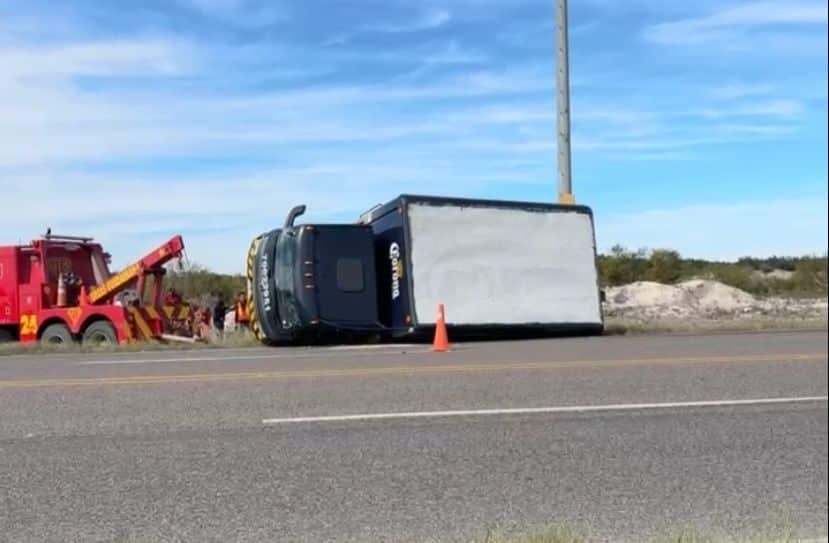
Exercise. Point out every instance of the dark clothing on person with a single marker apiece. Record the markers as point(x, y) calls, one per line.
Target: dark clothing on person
point(219, 311)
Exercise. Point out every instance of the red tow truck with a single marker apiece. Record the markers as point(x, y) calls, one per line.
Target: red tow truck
point(59, 289)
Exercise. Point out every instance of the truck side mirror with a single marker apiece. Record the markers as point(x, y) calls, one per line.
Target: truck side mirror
point(293, 214)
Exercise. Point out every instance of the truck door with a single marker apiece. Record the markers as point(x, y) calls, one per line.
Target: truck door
point(8, 286)
point(344, 275)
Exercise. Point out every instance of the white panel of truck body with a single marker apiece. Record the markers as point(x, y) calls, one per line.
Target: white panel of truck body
point(491, 265)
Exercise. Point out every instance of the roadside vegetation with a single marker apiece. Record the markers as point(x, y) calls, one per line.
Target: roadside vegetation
point(558, 533)
point(775, 531)
point(775, 276)
point(621, 326)
point(195, 283)
point(230, 341)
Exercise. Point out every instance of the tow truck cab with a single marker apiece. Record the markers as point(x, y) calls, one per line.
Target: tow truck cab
point(311, 281)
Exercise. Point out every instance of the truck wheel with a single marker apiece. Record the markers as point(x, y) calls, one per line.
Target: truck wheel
point(56, 334)
point(100, 333)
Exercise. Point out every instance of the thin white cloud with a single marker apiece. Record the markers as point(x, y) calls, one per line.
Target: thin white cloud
point(731, 91)
point(508, 113)
point(434, 18)
point(426, 20)
point(773, 131)
point(56, 123)
point(49, 120)
point(651, 156)
point(524, 35)
point(782, 108)
point(450, 55)
point(453, 53)
point(102, 58)
point(769, 13)
point(722, 25)
point(243, 13)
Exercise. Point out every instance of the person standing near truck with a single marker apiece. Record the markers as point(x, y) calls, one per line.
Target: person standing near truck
point(241, 311)
point(201, 323)
point(219, 312)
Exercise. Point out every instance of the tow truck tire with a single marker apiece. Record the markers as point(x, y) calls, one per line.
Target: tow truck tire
point(56, 334)
point(100, 333)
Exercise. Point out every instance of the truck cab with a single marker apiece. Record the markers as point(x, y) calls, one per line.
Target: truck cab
point(313, 281)
point(38, 280)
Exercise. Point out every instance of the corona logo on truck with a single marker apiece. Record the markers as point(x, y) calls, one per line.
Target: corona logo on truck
point(396, 270)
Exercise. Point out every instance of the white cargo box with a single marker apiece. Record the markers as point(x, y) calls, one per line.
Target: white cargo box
point(490, 263)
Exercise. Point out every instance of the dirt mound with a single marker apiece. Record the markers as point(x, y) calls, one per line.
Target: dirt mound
point(712, 296)
point(649, 297)
point(647, 301)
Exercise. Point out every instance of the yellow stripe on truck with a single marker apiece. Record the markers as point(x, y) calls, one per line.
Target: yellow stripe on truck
point(141, 323)
point(104, 289)
point(249, 272)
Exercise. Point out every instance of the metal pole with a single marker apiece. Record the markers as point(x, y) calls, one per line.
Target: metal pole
point(565, 189)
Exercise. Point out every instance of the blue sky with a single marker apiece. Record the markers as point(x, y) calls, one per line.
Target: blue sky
point(700, 126)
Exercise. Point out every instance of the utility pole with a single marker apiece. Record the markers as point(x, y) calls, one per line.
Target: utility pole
point(565, 188)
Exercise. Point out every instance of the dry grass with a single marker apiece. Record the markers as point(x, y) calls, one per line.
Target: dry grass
point(556, 533)
point(231, 341)
point(777, 531)
point(613, 326)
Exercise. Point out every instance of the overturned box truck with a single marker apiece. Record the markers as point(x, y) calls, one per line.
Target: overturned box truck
point(500, 268)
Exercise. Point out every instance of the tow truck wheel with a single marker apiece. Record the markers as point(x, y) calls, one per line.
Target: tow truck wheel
point(56, 334)
point(100, 333)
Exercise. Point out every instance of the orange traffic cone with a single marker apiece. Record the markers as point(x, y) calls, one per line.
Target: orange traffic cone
point(82, 299)
point(441, 342)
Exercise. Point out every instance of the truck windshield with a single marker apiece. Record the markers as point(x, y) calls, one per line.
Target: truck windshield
point(284, 278)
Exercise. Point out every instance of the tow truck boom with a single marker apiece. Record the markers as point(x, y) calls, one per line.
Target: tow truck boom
point(153, 260)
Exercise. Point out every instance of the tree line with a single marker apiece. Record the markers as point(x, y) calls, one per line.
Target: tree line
point(805, 275)
point(196, 284)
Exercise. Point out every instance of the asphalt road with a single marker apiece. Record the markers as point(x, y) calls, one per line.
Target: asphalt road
point(183, 446)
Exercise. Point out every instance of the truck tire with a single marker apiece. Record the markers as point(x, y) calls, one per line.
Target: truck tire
point(100, 333)
point(6, 336)
point(56, 334)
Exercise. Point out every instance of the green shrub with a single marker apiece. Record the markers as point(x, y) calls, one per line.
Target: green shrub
point(734, 275)
point(810, 275)
point(664, 266)
point(622, 266)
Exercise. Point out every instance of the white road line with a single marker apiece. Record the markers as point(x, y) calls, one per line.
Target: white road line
point(544, 410)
